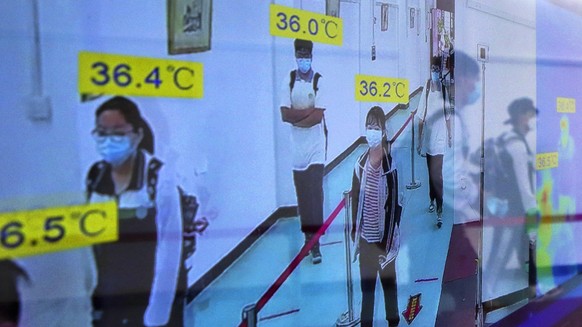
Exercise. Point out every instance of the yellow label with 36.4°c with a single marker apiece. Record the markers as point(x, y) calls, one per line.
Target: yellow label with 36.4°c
point(566, 105)
point(302, 24)
point(101, 73)
point(381, 89)
point(34, 232)
point(546, 160)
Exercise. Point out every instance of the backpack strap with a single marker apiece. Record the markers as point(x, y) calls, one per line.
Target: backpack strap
point(516, 138)
point(316, 78)
point(94, 178)
point(153, 170)
point(293, 77)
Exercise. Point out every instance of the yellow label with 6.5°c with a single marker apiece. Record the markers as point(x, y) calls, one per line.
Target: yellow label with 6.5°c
point(26, 233)
point(546, 160)
point(101, 73)
point(566, 105)
point(381, 89)
point(302, 24)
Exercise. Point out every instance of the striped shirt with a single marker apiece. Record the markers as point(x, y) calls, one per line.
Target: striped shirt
point(371, 214)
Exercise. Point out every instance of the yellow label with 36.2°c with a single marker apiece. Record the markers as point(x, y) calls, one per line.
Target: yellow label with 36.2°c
point(101, 73)
point(302, 24)
point(546, 160)
point(33, 232)
point(381, 89)
point(566, 105)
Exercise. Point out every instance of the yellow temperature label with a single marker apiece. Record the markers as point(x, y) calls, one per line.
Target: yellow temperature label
point(302, 24)
point(566, 105)
point(381, 89)
point(546, 160)
point(26, 233)
point(139, 76)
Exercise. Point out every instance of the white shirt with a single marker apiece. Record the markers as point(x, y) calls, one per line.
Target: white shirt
point(307, 143)
point(460, 190)
point(434, 136)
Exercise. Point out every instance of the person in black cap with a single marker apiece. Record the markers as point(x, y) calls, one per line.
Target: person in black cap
point(302, 106)
point(521, 112)
point(522, 115)
point(511, 194)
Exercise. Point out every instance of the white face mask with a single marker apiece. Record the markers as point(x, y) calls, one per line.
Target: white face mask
point(304, 64)
point(113, 151)
point(373, 137)
point(532, 124)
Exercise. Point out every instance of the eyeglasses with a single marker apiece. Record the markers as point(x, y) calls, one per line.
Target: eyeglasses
point(116, 136)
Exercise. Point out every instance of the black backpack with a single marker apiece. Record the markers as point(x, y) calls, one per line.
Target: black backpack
point(498, 170)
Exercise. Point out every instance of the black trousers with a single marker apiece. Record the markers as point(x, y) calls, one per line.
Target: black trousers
point(309, 188)
point(370, 269)
point(435, 177)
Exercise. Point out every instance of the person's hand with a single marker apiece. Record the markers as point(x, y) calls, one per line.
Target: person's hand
point(200, 225)
point(382, 259)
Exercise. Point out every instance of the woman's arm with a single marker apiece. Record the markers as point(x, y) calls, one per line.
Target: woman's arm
point(168, 252)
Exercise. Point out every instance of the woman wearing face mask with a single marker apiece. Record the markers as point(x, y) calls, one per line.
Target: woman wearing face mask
point(137, 275)
point(376, 219)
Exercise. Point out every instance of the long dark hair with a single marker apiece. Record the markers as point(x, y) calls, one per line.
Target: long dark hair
point(131, 113)
point(9, 297)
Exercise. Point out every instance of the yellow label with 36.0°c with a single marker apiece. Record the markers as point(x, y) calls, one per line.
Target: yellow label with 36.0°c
point(302, 24)
point(101, 73)
point(566, 105)
point(33, 232)
point(381, 89)
point(546, 160)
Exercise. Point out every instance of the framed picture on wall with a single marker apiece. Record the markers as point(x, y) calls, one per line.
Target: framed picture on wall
point(332, 8)
point(189, 26)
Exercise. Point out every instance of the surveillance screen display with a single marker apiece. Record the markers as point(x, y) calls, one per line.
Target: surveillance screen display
point(288, 163)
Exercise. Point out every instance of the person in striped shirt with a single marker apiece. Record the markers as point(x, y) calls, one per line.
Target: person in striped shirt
point(376, 219)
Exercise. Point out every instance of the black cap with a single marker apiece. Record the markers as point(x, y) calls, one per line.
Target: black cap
point(303, 46)
point(519, 107)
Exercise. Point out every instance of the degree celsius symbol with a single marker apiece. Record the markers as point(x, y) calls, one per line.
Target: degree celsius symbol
point(396, 86)
point(181, 71)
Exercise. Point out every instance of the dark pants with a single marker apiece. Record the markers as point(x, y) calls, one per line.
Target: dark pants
point(435, 176)
point(309, 188)
point(126, 273)
point(369, 271)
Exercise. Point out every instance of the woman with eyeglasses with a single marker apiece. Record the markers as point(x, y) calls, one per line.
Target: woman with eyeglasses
point(137, 275)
